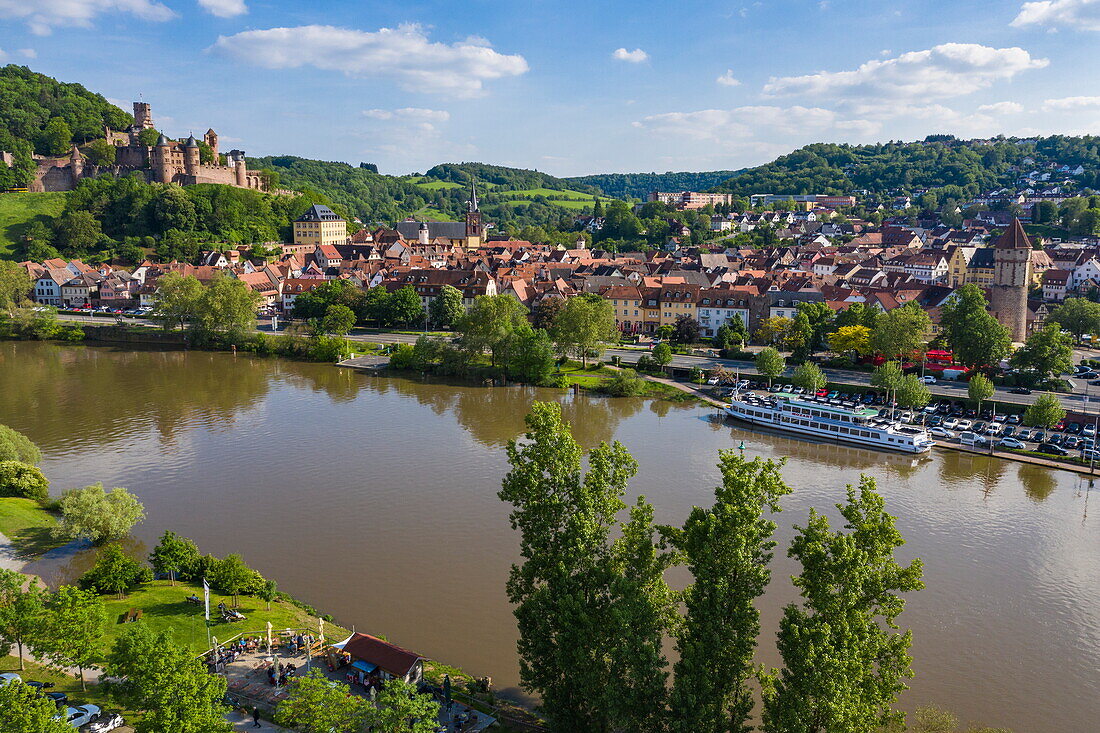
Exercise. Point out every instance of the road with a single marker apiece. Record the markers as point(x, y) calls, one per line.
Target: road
point(1083, 399)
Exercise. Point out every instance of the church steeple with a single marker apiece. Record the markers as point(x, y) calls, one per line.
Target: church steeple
point(471, 205)
point(473, 219)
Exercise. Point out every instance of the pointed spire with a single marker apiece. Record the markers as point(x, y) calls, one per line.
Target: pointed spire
point(473, 195)
point(1014, 237)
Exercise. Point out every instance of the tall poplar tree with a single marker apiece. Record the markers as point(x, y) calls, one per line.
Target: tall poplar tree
point(727, 548)
point(844, 661)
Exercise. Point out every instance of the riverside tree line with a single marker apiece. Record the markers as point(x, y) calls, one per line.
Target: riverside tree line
point(594, 609)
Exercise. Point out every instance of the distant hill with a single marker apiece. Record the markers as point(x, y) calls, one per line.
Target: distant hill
point(637, 185)
point(971, 165)
point(501, 176)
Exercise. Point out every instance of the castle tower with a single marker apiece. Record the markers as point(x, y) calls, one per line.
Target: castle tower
point(143, 115)
point(1011, 278)
point(161, 161)
point(211, 139)
point(76, 164)
point(422, 233)
point(191, 156)
point(239, 168)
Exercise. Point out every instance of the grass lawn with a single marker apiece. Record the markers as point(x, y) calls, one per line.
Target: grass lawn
point(69, 684)
point(431, 185)
point(19, 210)
point(27, 525)
point(587, 378)
point(164, 608)
point(530, 193)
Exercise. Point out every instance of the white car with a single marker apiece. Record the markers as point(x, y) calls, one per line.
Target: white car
point(107, 722)
point(951, 423)
point(929, 379)
point(964, 425)
point(1011, 443)
point(941, 432)
point(8, 677)
point(1089, 430)
point(81, 715)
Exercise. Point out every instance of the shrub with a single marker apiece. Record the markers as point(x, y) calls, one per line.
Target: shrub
point(23, 479)
point(115, 572)
point(625, 383)
point(14, 446)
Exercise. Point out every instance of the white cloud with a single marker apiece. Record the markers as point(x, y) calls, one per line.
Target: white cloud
point(636, 56)
point(29, 53)
point(3, 56)
point(224, 8)
point(403, 54)
point(409, 113)
point(1002, 108)
point(1081, 15)
point(1071, 103)
point(739, 123)
point(728, 80)
point(42, 16)
point(947, 70)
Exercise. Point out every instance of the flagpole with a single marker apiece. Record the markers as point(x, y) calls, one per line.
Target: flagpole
point(206, 602)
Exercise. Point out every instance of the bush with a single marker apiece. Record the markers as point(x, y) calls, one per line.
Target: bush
point(115, 572)
point(14, 446)
point(625, 383)
point(737, 354)
point(24, 480)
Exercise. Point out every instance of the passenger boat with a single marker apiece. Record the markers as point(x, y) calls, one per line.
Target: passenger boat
point(814, 417)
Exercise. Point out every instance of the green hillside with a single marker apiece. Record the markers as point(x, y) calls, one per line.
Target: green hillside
point(637, 185)
point(19, 210)
point(501, 177)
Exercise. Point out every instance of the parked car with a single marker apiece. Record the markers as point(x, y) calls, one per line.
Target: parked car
point(1074, 428)
point(1013, 419)
point(1009, 431)
point(979, 427)
point(1051, 449)
point(964, 425)
point(1011, 443)
point(106, 722)
point(1020, 390)
point(833, 395)
point(8, 677)
point(941, 432)
point(787, 388)
point(1091, 454)
point(972, 439)
point(81, 715)
point(1039, 436)
point(928, 379)
point(1070, 442)
point(1024, 435)
point(1056, 439)
point(1089, 429)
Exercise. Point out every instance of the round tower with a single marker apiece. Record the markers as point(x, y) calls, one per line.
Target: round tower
point(1011, 279)
point(161, 160)
point(240, 170)
point(76, 164)
point(191, 156)
point(422, 234)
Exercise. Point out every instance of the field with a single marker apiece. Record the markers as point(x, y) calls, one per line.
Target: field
point(24, 522)
point(19, 210)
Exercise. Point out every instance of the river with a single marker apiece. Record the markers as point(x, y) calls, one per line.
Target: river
point(374, 499)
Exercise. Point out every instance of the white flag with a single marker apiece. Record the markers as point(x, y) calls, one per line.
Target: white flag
point(206, 596)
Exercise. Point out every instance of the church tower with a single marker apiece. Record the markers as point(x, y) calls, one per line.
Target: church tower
point(474, 230)
point(1011, 278)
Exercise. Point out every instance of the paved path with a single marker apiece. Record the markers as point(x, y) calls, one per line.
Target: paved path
point(9, 558)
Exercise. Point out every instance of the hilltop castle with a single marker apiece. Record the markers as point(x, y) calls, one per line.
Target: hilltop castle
point(169, 161)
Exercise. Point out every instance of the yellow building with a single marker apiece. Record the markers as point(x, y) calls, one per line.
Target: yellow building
point(678, 300)
point(320, 226)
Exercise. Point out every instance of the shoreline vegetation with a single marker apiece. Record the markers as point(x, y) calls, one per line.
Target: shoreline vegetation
point(121, 590)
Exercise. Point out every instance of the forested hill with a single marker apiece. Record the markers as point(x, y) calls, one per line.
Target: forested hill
point(973, 165)
point(28, 101)
point(637, 185)
point(502, 176)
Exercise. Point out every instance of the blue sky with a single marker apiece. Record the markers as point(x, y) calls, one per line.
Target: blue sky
point(572, 87)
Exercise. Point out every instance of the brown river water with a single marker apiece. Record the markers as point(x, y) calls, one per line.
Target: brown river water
point(374, 499)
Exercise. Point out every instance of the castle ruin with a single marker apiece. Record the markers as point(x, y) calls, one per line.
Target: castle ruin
point(169, 161)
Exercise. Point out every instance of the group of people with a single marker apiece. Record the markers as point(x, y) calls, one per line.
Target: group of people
point(281, 678)
point(298, 642)
point(216, 660)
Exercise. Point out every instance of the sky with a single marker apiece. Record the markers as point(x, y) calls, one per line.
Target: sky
point(570, 87)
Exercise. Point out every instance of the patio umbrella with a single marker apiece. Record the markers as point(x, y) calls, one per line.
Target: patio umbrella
point(268, 637)
point(447, 691)
point(321, 633)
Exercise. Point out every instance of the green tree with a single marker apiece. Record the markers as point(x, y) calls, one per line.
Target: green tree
point(94, 514)
point(560, 589)
point(625, 383)
point(14, 446)
point(490, 323)
point(976, 337)
point(115, 572)
point(404, 307)
point(853, 340)
point(100, 152)
point(662, 354)
point(1045, 412)
point(56, 138)
point(530, 356)
point(889, 378)
point(231, 575)
point(901, 332)
point(26, 711)
point(775, 331)
point(77, 231)
point(227, 306)
point(401, 709)
point(148, 137)
point(809, 376)
point(172, 554)
point(315, 704)
point(15, 286)
point(1078, 316)
point(913, 393)
point(178, 300)
point(166, 682)
point(24, 480)
point(72, 632)
point(770, 363)
point(1048, 352)
point(980, 389)
point(728, 549)
point(446, 308)
point(338, 320)
point(819, 317)
point(585, 324)
point(844, 662)
point(546, 311)
point(22, 607)
point(268, 592)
